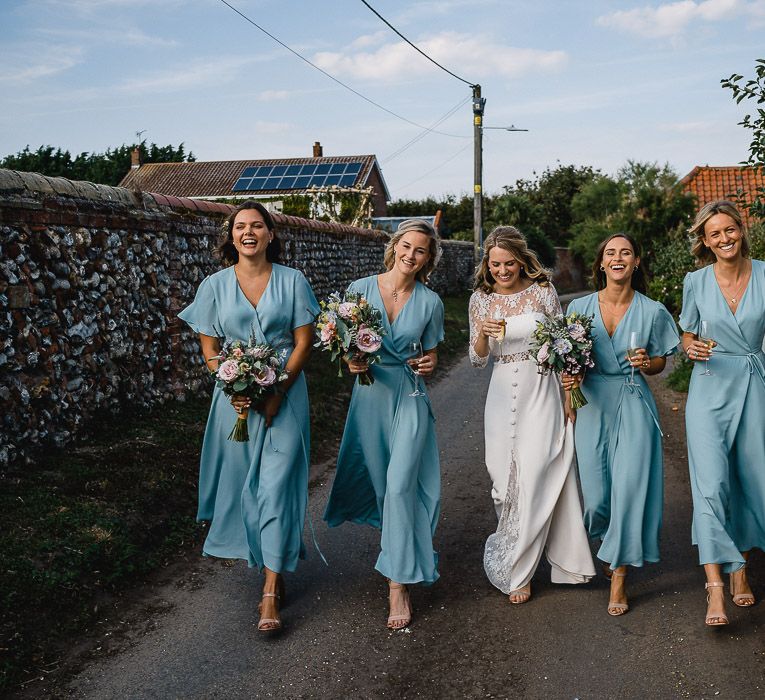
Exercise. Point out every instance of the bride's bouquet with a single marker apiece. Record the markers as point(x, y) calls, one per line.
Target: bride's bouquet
point(347, 327)
point(564, 344)
point(248, 369)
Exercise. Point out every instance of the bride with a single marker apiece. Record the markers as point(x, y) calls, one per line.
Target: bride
point(529, 446)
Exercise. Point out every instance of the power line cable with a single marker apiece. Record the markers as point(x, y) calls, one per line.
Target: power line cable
point(333, 78)
point(415, 47)
point(438, 167)
point(423, 134)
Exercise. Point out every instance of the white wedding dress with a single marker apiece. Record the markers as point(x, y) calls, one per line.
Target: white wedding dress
point(529, 450)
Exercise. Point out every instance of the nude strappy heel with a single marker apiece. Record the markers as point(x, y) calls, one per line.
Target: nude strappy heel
point(714, 620)
point(615, 609)
point(399, 622)
point(742, 600)
point(274, 623)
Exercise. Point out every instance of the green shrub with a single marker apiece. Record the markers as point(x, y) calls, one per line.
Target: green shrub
point(670, 260)
point(680, 376)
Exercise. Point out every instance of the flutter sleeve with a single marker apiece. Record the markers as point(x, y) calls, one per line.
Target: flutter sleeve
point(476, 313)
point(663, 339)
point(689, 316)
point(202, 313)
point(433, 332)
point(304, 305)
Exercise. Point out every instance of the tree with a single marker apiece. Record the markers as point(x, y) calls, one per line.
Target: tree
point(106, 168)
point(644, 200)
point(752, 89)
point(553, 192)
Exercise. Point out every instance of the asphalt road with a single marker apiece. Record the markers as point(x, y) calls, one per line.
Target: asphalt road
point(196, 637)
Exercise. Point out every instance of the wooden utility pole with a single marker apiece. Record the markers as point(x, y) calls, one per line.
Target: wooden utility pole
point(478, 105)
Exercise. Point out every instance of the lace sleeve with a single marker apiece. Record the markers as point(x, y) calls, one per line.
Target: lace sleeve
point(552, 302)
point(477, 310)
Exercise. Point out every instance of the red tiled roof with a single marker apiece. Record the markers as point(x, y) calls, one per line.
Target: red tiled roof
point(217, 178)
point(737, 183)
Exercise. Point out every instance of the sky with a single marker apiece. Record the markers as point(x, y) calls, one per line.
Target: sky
point(595, 83)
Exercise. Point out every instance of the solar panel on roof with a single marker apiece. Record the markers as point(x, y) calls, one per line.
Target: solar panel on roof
point(297, 177)
point(242, 184)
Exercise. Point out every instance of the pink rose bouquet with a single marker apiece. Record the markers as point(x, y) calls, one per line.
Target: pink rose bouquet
point(564, 344)
point(347, 327)
point(248, 369)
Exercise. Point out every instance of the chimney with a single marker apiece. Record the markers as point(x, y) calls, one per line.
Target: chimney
point(135, 158)
point(318, 151)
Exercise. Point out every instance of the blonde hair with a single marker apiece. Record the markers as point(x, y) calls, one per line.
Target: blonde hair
point(510, 239)
point(699, 250)
point(434, 246)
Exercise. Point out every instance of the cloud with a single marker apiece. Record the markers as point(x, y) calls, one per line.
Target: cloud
point(113, 37)
point(273, 95)
point(25, 64)
point(193, 74)
point(468, 55)
point(675, 18)
point(698, 127)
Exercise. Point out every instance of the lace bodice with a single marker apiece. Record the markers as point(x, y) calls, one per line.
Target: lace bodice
point(521, 312)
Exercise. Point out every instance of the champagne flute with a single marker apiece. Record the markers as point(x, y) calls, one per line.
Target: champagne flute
point(632, 349)
point(704, 337)
point(497, 316)
point(415, 349)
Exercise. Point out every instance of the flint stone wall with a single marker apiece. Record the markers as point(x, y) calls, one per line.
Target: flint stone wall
point(91, 280)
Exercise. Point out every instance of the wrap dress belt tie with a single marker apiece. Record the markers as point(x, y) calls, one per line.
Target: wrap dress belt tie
point(413, 376)
point(755, 360)
point(633, 390)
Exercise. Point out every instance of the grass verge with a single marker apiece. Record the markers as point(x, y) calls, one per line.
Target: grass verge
point(86, 522)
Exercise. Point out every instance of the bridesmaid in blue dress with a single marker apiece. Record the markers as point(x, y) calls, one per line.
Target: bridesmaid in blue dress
point(617, 435)
point(255, 493)
point(724, 307)
point(388, 472)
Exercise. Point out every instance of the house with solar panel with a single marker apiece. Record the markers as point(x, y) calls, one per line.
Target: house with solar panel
point(263, 179)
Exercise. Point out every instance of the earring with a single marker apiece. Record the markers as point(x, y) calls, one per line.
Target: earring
point(602, 269)
point(637, 267)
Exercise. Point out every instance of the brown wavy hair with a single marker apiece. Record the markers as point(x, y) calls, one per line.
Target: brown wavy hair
point(434, 246)
point(510, 239)
point(699, 250)
point(638, 281)
point(226, 249)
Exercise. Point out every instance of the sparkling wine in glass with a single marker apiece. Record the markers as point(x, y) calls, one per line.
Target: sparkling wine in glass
point(704, 337)
point(632, 349)
point(497, 316)
point(415, 353)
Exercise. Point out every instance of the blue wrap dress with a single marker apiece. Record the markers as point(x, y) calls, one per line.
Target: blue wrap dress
point(388, 469)
point(255, 493)
point(725, 419)
point(617, 435)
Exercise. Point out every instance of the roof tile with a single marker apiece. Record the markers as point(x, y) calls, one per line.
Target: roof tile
point(738, 183)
